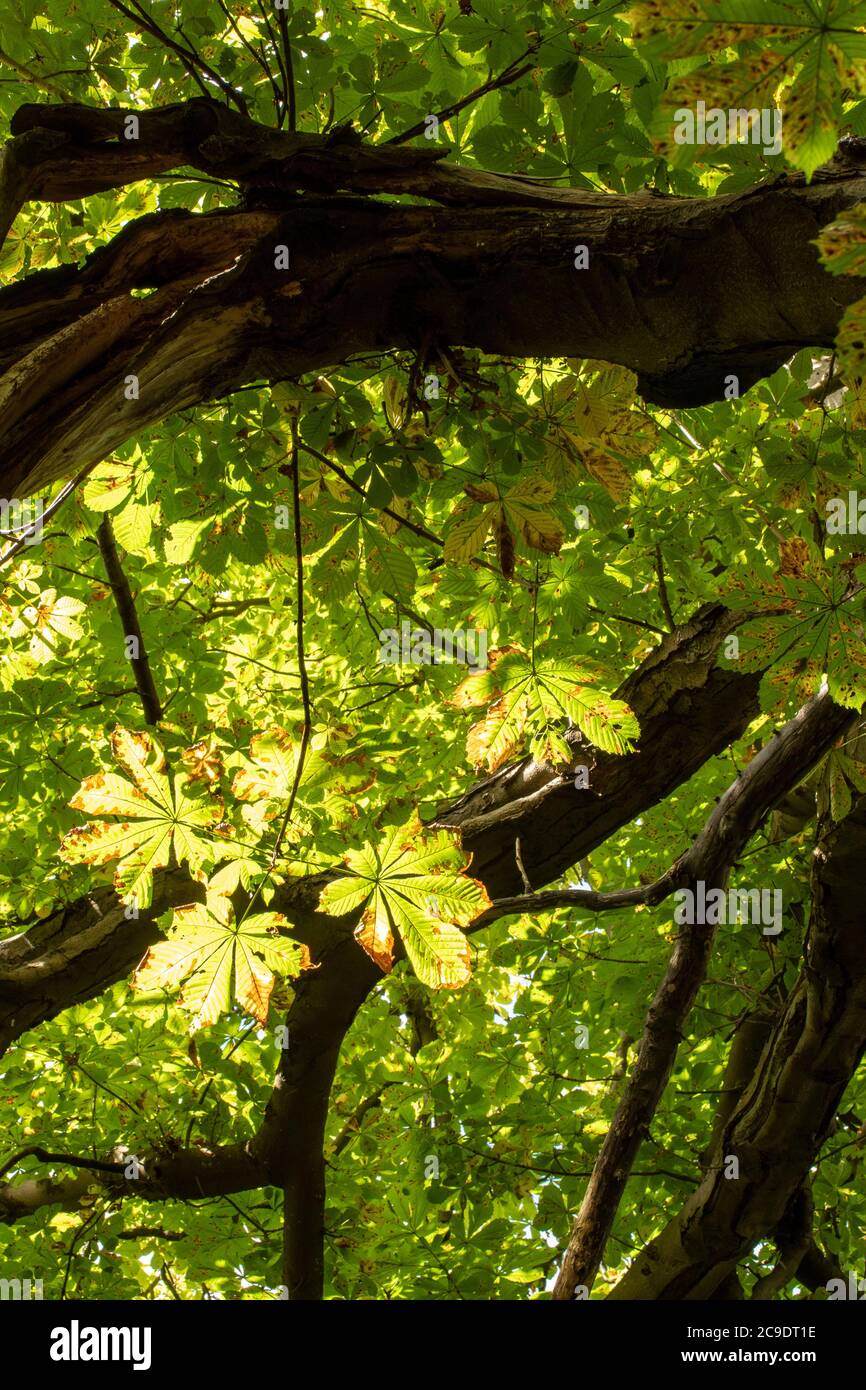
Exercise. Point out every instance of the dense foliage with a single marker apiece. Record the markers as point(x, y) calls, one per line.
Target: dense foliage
point(541, 507)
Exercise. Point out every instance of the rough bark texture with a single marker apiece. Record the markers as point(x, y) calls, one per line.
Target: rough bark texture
point(783, 1116)
point(774, 771)
point(683, 291)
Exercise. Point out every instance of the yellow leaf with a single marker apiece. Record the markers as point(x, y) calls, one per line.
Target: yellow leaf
point(253, 984)
point(613, 475)
point(373, 932)
point(466, 534)
point(493, 740)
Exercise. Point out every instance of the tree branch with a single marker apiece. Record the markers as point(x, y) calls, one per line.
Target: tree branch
point(192, 61)
point(382, 275)
point(130, 625)
point(512, 73)
point(778, 767)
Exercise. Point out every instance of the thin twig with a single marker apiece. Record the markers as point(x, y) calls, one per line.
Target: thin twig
point(97, 1215)
point(302, 668)
point(257, 57)
point(45, 1156)
point(663, 589)
point(510, 74)
point(302, 664)
point(129, 620)
point(49, 511)
point(188, 56)
point(282, 19)
point(356, 487)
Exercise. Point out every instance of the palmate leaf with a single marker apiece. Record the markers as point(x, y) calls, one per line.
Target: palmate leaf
point(811, 106)
point(819, 632)
point(821, 47)
point(415, 886)
point(44, 622)
point(842, 244)
point(597, 423)
point(265, 781)
point(153, 814)
point(686, 27)
point(842, 248)
point(523, 510)
point(540, 697)
point(841, 773)
point(221, 960)
point(271, 770)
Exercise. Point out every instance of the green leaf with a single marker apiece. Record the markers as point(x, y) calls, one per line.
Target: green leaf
point(417, 887)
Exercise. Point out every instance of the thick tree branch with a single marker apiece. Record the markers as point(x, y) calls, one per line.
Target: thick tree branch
point(187, 1174)
point(778, 767)
point(689, 710)
point(494, 268)
point(782, 1118)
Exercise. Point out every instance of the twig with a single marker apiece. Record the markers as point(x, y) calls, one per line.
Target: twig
point(45, 1156)
point(129, 620)
point(663, 589)
point(527, 885)
point(353, 1124)
point(284, 99)
point(49, 511)
point(97, 1215)
point(149, 1233)
point(728, 477)
point(510, 74)
point(188, 56)
point(257, 57)
point(302, 668)
point(619, 618)
point(170, 1282)
point(28, 75)
point(302, 664)
point(586, 898)
point(282, 19)
point(356, 487)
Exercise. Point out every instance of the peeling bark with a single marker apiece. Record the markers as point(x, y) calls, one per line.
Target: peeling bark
point(683, 291)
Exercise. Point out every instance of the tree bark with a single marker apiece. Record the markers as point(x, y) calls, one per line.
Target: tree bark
point(689, 711)
point(778, 767)
point(783, 1116)
point(685, 292)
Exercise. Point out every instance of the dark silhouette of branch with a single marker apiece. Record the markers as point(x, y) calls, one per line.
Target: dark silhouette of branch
point(512, 73)
point(778, 767)
point(131, 627)
point(192, 61)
